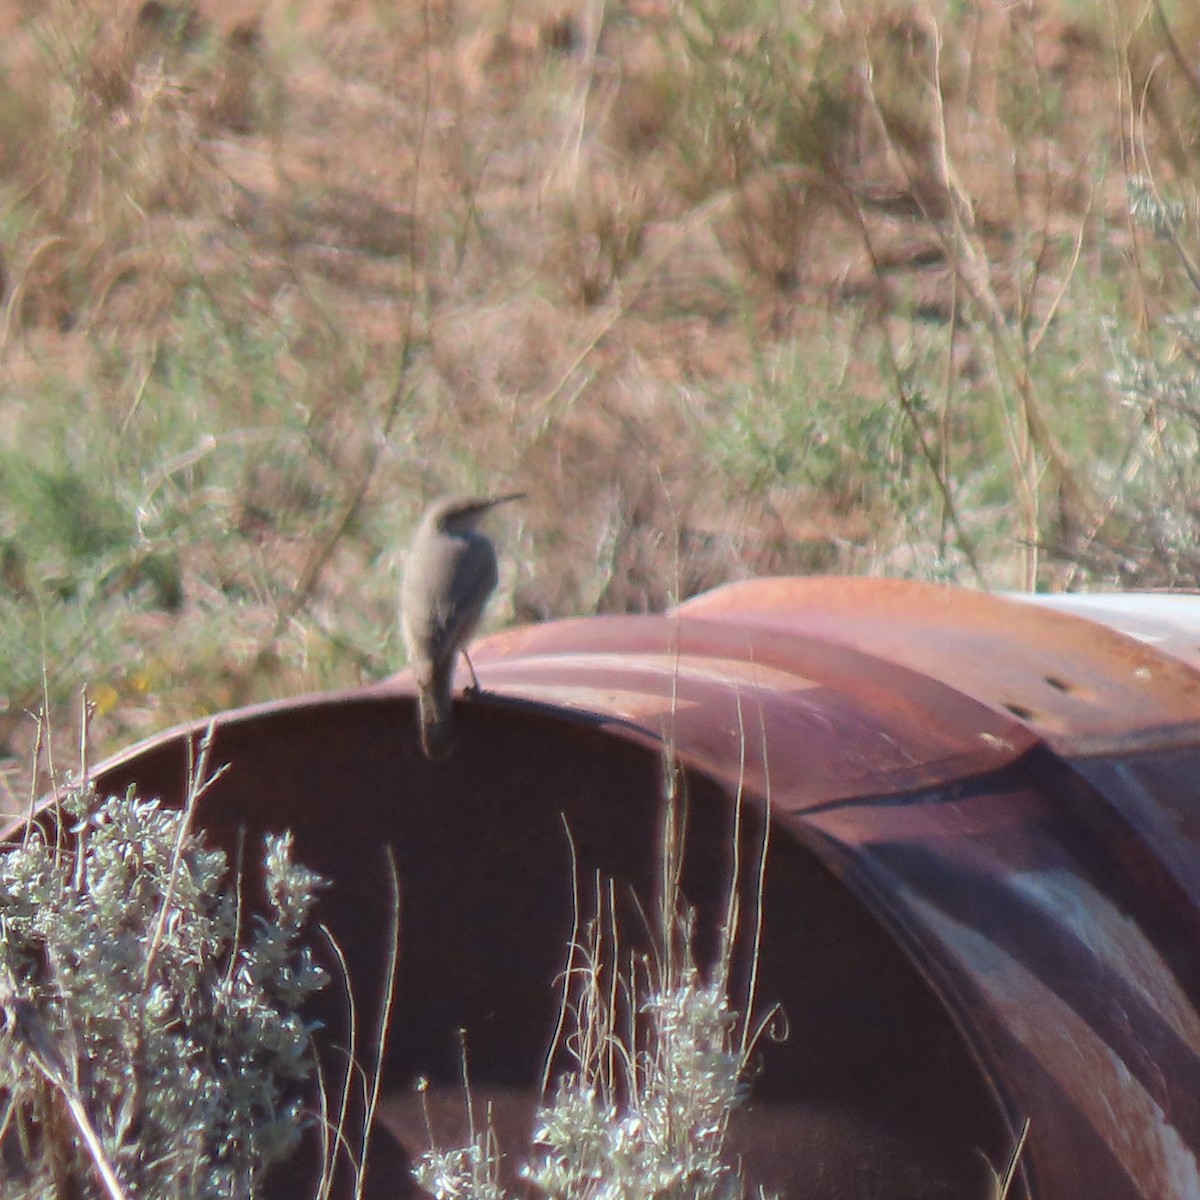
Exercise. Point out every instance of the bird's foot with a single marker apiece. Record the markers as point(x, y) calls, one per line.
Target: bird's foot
point(472, 689)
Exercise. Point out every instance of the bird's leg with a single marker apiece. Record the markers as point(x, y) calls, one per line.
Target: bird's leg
point(473, 688)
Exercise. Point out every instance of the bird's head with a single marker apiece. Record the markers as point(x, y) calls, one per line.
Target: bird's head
point(458, 514)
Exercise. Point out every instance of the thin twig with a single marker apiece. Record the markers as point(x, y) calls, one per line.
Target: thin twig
point(85, 712)
point(385, 1018)
point(198, 783)
point(760, 887)
point(1004, 1182)
point(17, 295)
point(329, 1163)
point(24, 1024)
point(39, 734)
point(568, 970)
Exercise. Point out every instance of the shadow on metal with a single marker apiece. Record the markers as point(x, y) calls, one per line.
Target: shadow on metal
point(982, 899)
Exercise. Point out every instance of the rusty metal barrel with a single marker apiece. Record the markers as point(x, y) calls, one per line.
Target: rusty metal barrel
point(981, 900)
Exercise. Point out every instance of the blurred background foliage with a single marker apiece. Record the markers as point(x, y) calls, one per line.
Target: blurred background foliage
point(730, 288)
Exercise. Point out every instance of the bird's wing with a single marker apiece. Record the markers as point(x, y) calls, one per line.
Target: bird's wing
point(469, 579)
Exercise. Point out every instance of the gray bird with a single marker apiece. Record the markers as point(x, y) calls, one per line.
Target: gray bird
point(448, 576)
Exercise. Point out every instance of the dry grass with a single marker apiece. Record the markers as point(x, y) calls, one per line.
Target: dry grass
point(728, 291)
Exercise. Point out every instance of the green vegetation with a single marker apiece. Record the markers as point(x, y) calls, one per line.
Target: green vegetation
point(666, 1140)
point(652, 1053)
point(908, 282)
point(152, 1043)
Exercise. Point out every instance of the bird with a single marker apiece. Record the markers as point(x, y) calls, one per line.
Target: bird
point(449, 573)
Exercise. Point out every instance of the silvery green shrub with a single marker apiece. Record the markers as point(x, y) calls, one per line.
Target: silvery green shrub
point(177, 1039)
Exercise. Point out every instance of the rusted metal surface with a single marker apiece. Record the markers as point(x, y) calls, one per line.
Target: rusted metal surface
point(982, 901)
point(1083, 686)
point(839, 722)
point(1043, 871)
point(1168, 622)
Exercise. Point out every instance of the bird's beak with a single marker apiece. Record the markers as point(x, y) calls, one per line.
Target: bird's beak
point(494, 500)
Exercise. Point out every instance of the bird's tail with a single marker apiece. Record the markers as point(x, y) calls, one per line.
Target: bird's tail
point(435, 715)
